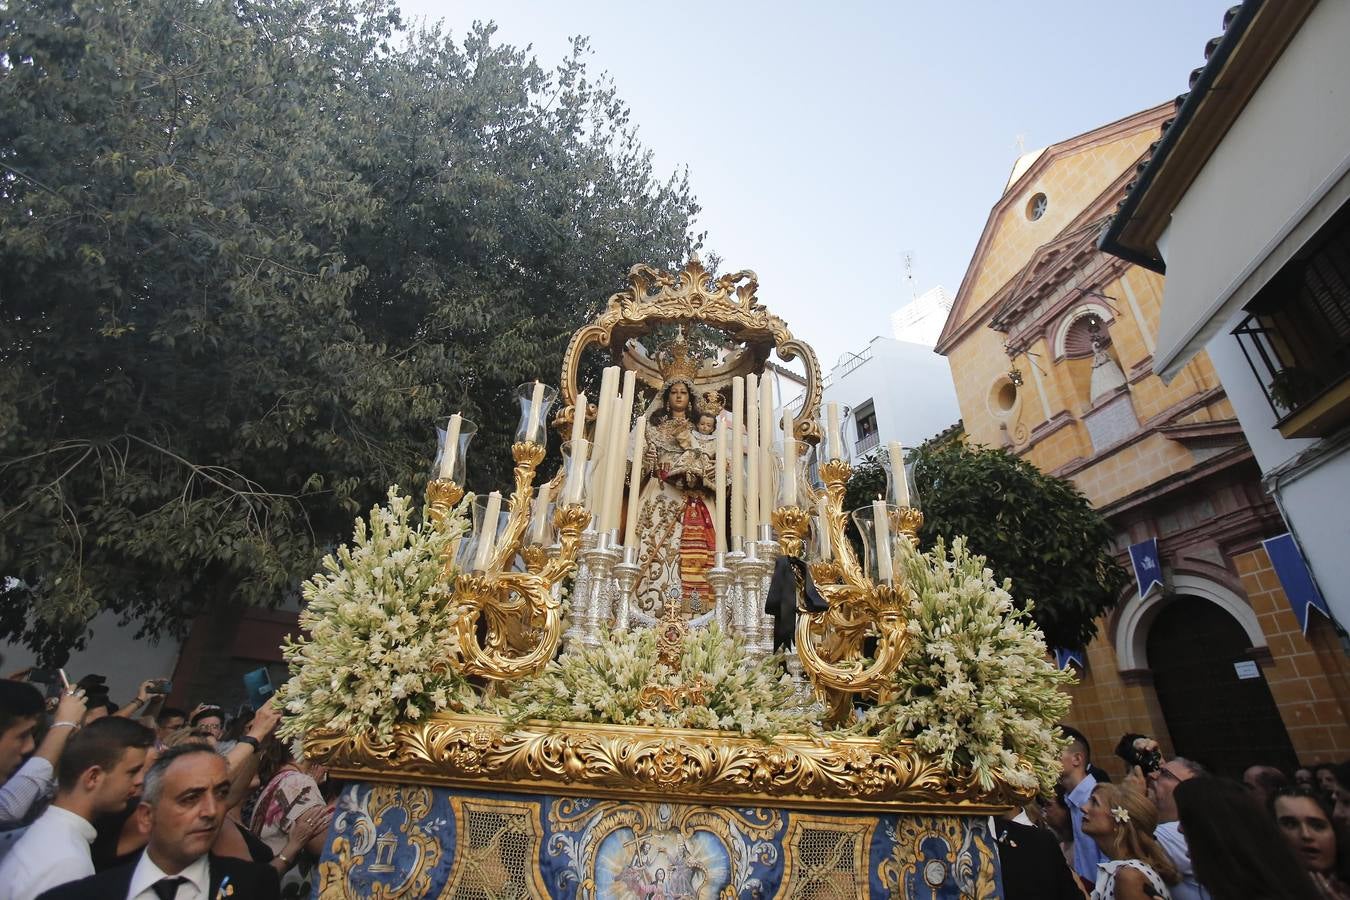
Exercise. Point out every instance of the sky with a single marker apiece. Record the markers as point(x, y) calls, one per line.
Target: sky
point(828, 141)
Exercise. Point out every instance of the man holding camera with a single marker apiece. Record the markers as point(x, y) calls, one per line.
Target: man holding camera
point(1157, 778)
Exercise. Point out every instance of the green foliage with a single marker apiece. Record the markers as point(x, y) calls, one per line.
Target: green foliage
point(248, 253)
point(1038, 530)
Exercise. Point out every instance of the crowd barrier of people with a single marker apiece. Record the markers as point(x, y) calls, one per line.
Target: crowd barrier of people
point(150, 802)
point(1172, 830)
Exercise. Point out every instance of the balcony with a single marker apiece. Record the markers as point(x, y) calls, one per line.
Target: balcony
point(1296, 339)
point(866, 443)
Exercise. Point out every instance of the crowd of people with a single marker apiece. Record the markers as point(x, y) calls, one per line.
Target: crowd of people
point(149, 802)
point(1172, 830)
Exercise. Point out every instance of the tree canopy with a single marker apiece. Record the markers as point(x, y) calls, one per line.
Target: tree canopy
point(249, 253)
point(1036, 529)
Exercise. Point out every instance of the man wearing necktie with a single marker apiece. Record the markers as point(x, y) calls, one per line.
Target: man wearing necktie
point(182, 809)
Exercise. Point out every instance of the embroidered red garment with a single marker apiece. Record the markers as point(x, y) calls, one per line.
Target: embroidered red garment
point(696, 549)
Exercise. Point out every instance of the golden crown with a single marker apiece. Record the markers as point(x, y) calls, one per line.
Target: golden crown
point(675, 362)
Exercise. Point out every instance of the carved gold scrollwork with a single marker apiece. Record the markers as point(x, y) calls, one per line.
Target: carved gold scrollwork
point(690, 766)
point(830, 643)
point(523, 617)
point(691, 295)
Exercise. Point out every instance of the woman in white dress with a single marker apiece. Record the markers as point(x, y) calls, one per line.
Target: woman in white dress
point(1122, 821)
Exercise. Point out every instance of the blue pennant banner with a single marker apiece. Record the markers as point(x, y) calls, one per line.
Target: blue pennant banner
point(1297, 581)
point(1065, 658)
point(1147, 565)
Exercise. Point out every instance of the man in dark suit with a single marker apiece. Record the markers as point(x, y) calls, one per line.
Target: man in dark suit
point(182, 808)
point(1033, 866)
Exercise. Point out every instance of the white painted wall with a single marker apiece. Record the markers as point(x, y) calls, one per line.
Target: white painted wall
point(1277, 176)
point(909, 385)
point(113, 651)
point(1314, 498)
point(1262, 182)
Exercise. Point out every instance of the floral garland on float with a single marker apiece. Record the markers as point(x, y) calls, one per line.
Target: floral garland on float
point(767, 663)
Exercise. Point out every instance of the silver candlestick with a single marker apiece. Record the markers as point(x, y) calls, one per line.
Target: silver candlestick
point(768, 552)
point(719, 579)
point(626, 574)
point(603, 560)
point(580, 603)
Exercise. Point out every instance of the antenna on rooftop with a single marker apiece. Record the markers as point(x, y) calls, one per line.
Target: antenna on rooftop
point(909, 273)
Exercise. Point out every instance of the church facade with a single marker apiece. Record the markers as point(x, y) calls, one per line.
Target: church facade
point(1051, 343)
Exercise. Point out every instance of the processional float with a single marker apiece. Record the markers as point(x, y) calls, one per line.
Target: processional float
point(465, 805)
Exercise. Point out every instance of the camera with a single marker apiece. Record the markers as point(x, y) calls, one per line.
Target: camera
point(159, 686)
point(1148, 761)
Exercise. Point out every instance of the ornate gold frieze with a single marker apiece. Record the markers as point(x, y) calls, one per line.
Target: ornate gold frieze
point(683, 765)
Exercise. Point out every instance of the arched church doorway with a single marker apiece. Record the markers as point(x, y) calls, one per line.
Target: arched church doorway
point(1215, 717)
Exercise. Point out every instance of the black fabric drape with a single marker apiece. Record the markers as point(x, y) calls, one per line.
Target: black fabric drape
point(789, 574)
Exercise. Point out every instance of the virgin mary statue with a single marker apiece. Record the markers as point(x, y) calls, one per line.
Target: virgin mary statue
point(675, 518)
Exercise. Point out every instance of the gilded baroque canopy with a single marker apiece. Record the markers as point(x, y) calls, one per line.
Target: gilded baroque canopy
point(728, 303)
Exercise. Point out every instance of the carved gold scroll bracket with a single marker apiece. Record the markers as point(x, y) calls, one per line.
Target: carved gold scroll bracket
point(830, 643)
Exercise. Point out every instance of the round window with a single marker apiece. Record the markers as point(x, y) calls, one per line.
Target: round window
point(1036, 207)
point(1002, 397)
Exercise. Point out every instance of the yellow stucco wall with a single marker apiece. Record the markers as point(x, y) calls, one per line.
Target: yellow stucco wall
point(1069, 183)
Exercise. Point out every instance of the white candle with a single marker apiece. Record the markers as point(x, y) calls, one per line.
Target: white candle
point(823, 528)
point(536, 406)
point(737, 459)
point(751, 457)
point(623, 417)
point(881, 524)
point(766, 493)
point(897, 455)
point(580, 447)
point(836, 435)
point(451, 448)
point(789, 460)
point(488, 535)
point(540, 515)
point(635, 485)
point(720, 461)
point(600, 441)
point(579, 419)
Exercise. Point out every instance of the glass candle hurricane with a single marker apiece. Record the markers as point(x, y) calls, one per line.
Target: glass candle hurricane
point(452, 448)
point(578, 467)
point(875, 522)
point(793, 471)
point(489, 524)
point(835, 443)
point(900, 490)
point(536, 401)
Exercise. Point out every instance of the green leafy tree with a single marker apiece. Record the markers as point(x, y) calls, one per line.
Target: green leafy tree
point(249, 252)
point(1036, 529)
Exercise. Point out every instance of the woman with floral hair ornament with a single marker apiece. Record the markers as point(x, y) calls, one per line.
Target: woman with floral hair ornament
point(1122, 821)
point(675, 516)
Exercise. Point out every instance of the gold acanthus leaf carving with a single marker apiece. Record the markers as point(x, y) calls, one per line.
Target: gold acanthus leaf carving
point(683, 765)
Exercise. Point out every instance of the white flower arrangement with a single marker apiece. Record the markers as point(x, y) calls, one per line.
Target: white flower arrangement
point(378, 622)
point(975, 686)
point(718, 685)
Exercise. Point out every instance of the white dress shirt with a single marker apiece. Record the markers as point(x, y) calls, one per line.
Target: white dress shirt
point(54, 851)
point(147, 874)
point(1173, 842)
point(33, 782)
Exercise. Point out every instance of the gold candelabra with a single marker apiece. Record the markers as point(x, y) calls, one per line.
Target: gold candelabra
point(831, 643)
